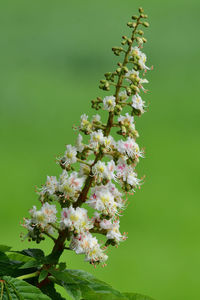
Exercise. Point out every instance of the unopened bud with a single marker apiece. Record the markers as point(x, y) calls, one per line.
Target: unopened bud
point(140, 32)
point(141, 10)
point(134, 17)
point(146, 24)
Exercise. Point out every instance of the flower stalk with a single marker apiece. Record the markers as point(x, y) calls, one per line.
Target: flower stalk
point(102, 162)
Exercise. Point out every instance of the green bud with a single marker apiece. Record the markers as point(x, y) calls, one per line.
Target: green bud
point(130, 24)
point(129, 91)
point(141, 10)
point(146, 24)
point(118, 70)
point(140, 32)
point(134, 17)
point(124, 37)
point(125, 69)
point(144, 40)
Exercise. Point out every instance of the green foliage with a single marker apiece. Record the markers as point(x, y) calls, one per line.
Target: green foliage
point(12, 288)
point(4, 248)
point(82, 285)
point(78, 284)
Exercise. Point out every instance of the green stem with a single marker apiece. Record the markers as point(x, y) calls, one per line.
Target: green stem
point(27, 276)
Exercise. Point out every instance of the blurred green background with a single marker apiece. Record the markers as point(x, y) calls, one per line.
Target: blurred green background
point(53, 54)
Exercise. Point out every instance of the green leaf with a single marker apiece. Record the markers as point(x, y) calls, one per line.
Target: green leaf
point(16, 256)
point(82, 285)
point(7, 267)
point(31, 264)
point(43, 275)
point(4, 248)
point(133, 296)
point(12, 288)
point(49, 290)
point(38, 254)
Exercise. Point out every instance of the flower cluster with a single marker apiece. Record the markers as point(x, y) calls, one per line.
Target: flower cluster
point(99, 170)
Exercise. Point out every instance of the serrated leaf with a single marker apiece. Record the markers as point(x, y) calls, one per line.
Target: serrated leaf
point(133, 296)
point(4, 248)
point(43, 275)
point(13, 288)
point(82, 285)
point(7, 267)
point(31, 264)
point(49, 290)
point(38, 254)
point(16, 256)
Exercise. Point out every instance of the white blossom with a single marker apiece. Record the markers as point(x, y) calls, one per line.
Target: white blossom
point(109, 103)
point(96, 139)
point(70, 185)
point(88, 245)
point(75, 219)
point(96, 118)
point(70, 155)
point(103, 200)
point(43, 217)
point(112, 228)
point(127, 121)
point(79, 145)
point(140, 56)
point(123, 96)
point(138, 103)
point(50, 186)
point(126, 173)
point(130, 148)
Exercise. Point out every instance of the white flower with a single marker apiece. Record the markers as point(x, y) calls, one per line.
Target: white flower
point(112, 228)
point(109, 103)
point(138, 103)
point(114, 233)
point(110, 170)
point(132, 76)
point(49, 212)
point(75, 219)
point(108, 142)
point(44, 216)
point(96, 118)
point(70, 185)
point(50, 186)
point(127, 121)
point(126, 173)
point(123, 96)
point(84, 121)
point(88, 245)
point(103, 200)
point(141, 57)
point(79, 145)
point(70, 154)
point(129, 147)
point(99, 169)
point(96, 139)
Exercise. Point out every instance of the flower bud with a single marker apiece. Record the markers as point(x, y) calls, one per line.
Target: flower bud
point(140, 32)
point(134, 17)
point(146, 24)
point(141, 10)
